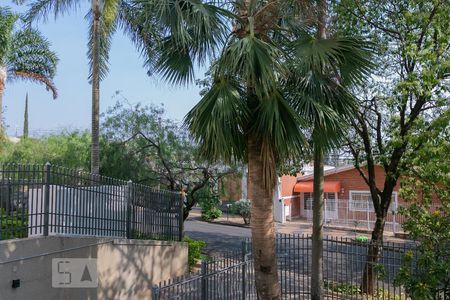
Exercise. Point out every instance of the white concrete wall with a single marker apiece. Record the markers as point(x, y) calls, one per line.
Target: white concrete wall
point(126, 268)
point(278, 204)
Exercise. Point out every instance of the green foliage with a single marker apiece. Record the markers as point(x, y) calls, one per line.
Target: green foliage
point(11, 226)
point(427, 189)
point(7, 20)
point(208, 201)
point(242, 208)
point(195, 248)
point(349, 289)
point(343, 288)
point(70, 150)
point(211, 214)
point(143, 145)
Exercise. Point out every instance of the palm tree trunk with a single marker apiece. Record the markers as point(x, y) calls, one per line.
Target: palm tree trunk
point(317, 288)
point(317, 234)
point(2, 90)
point(95, 125)
point(262, 225)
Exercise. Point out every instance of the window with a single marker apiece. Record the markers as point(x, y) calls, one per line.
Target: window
point(330, 205)
point(362, 201)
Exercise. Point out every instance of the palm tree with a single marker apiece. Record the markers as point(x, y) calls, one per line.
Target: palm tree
point(104, 16)
point(249, 113)
point(158, 28)
point(24, 55)
point(319, 88)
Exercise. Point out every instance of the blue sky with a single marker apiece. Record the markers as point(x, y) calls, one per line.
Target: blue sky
point(72, 109)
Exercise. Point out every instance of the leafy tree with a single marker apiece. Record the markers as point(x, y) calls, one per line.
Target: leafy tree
point(159, 152)
point(69, 150)
point(425, 272)
point(242, 208)
point(158, 28)
point(24, 55)
point(246, 114)
point(410, 88)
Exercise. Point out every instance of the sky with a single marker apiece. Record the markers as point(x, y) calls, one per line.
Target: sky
point(72, 109)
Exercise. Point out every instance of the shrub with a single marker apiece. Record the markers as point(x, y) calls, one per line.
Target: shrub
point(195, 248)
point(211, 214)
point(208, 202)
point(242, 208)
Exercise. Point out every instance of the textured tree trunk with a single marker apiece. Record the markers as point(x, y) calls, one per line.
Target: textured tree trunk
point(95, 125)
point(373, 254)
point(2, 90)
point(262, 226)
point(317, 287)
point(317, 234)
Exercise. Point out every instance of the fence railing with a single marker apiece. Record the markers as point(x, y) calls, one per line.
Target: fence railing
point(356, 214)
point(344, 260)
point(49, 200)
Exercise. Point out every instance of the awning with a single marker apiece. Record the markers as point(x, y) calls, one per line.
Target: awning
point(307, 187)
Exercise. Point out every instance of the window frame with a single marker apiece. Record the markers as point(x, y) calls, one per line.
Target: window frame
point(371, 208)
point(335, 194)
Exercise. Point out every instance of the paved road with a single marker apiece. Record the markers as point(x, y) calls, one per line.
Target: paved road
point(219, 238)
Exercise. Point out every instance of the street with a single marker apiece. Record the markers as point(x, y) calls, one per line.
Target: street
point(219, 238)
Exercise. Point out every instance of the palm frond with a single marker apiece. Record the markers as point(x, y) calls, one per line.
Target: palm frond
point(279, 127)
point(7, 20)
point(49, 85)
point(347, 59)
point(174, 35)
point(218, 121)
point(107, 27)
point(254, 61)
point(30, 57)
point(322, 72)
point(41, 9)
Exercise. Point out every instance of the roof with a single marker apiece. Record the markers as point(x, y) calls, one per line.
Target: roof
point(327, 172)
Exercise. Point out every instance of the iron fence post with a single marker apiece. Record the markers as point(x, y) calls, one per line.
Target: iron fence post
point(244, 269)
point(155, 292)
point(8, 203)
point(129, 199)
point(180, 218)
point(47, 198)
point(204, 281)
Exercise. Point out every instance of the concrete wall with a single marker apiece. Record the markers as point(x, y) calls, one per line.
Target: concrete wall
point(126, 268)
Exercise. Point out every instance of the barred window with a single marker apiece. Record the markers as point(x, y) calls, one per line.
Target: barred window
point(362, 201)
point(330, 205)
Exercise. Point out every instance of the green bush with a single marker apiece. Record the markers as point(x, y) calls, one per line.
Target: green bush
point(211, 214)
point(209, 203)
point(195, 248)
point(12, 226)
point(242, 208)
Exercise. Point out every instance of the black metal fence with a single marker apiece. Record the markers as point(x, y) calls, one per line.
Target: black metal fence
point(344, 259)
point(48, 200)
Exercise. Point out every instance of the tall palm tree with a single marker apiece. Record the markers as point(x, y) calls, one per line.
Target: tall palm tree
point(158, 28)
point(104, 16)
point(319, 89)
point(249, 113)
point(24, 55)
